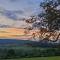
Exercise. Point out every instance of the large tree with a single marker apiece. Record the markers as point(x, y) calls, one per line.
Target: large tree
point(51, 14)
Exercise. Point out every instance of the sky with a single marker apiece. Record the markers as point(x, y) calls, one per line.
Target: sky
point(27, 6)
point(11, 11)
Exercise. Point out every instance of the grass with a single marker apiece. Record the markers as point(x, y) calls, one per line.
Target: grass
point(39, 58)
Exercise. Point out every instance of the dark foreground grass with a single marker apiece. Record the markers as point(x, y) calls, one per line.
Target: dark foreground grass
point(38, 58)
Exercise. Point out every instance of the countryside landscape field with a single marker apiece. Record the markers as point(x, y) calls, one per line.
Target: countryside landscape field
point(29, 29)
point(39, 58)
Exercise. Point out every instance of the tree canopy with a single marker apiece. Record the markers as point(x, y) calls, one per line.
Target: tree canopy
point(51, 13)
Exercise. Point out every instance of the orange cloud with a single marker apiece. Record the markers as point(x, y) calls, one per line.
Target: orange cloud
point(13, 33)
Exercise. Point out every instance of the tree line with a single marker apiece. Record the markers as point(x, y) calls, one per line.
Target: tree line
point(24, 53)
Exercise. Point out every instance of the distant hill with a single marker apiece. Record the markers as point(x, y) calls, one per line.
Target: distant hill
point(17, 42)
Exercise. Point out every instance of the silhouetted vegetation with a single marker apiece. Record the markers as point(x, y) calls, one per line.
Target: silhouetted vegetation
point(28, 52)
point(10, 53)
point(51, 14)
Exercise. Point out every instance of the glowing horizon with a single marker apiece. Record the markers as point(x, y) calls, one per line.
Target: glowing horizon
point(12, 33)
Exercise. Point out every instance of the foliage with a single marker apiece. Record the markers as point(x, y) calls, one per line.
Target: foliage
point(51, 14)
point(28, 52)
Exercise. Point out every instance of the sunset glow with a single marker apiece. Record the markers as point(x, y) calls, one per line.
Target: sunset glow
point(18, 33)
point(13, 33)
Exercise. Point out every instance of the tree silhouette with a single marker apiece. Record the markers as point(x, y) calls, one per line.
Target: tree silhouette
point(51, 14)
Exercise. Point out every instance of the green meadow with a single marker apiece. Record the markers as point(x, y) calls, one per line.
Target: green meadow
point(39, 58)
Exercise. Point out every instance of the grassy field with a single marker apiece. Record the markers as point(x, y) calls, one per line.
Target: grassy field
point(39, 58)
